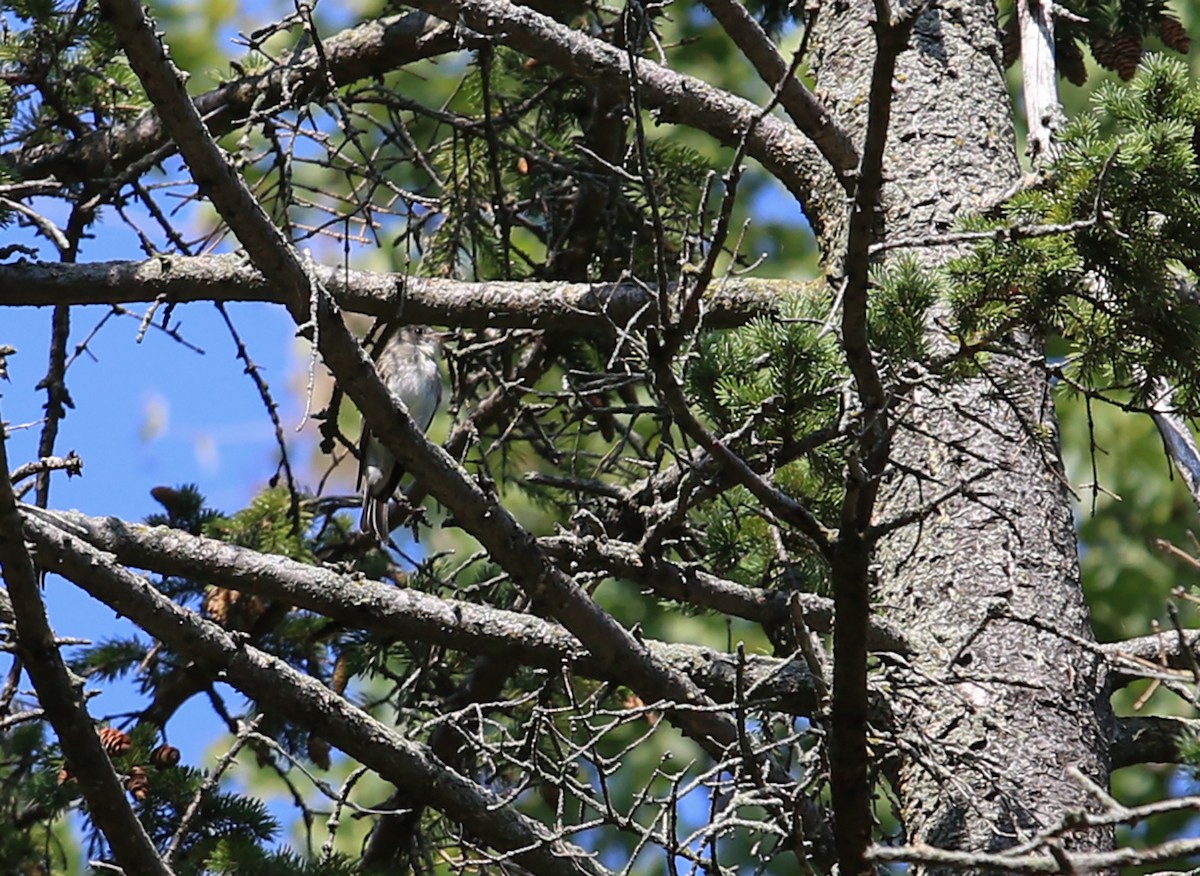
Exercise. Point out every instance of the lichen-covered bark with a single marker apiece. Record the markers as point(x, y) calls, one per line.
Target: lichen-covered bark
point(1016, 706)
point(951, 144)
point(994, 711)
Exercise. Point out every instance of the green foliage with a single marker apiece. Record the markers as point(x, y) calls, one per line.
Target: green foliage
point(109, 659)
point(227, 833)
point(518, 176)
point(231, 833)
point(738, 541)
point(740, 546)
point(1189, 748)
point(898, 312)
point(779, 372)
point(235, 859)
point(224, 820)
point(185, 509)
point(31, 797)
point(775, 382)
point(1110, 283)
point(268, 524)
point(70, 58)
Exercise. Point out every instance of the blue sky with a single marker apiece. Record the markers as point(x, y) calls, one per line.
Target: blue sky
point(149, 414)
point(154, 412)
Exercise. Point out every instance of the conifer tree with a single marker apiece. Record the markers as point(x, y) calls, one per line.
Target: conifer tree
point(710, 569)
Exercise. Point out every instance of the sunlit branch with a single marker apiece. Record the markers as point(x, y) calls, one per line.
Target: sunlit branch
point(371, 49)
point(561, 306)
point(275, 685)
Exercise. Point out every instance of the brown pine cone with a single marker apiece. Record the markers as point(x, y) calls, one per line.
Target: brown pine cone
point(318, 751)
point(114, 741)
point(1103, 52)
point(1171, 32)
point(217, 602)
point(137, 783)
point(1127, 50)
point(341, 674)
point(232, 608)
point(165, 756)
point(1070, 62)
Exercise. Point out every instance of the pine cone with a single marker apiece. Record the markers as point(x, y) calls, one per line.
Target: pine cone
point(318, 751)
point(164, 756)
point(1070, 62)
point(1103, 52)
point(220, 604)
point(170, 498)
point(341, 674)
point(1127, 49)
point(1173, 35)
point(217, 601)
point(114, 741)
point(1010, 43)
point(137, 783)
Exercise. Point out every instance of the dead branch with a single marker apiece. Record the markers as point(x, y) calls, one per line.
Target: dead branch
point(561, 306)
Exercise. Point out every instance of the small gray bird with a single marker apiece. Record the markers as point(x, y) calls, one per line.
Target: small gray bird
point(407, 358)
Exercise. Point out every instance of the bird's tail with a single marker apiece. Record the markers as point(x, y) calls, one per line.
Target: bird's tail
point(374, 520)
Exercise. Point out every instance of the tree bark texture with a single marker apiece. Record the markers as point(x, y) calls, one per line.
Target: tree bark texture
point(992, 712)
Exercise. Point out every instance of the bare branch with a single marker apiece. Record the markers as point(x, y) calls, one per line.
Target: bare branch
point(409, 614)
point(850, 556)
point(799, 103)
point(1160, 651)
point(700, 588)
point(370, 49)
point(1014, 232)
point(61, 697)
point(70, 463)
point(1152, 739)
point(495, 304)
point(1039, 76)
point(1078, 861)
point(303, 699)
point(58, 398)
point(674, 97)
point(209, 785)
point(1177, 437)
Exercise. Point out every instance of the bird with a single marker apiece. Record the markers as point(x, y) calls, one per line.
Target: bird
point(408, 361)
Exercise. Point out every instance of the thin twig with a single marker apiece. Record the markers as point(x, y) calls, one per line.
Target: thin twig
point(245, 730)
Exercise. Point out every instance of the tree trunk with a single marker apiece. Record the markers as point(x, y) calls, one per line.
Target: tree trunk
point(992, 712)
